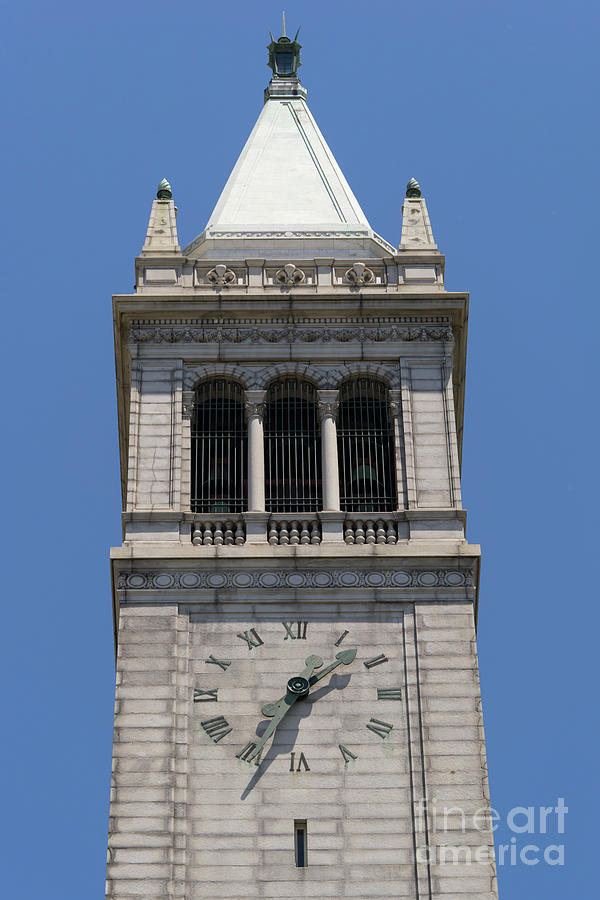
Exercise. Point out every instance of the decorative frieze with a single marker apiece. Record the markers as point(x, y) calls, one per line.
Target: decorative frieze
point(220, 333)
point(281, 579)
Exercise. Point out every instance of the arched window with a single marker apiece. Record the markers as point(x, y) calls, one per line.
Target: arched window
point(366, 448)
point(219, 480)
point(292, 448)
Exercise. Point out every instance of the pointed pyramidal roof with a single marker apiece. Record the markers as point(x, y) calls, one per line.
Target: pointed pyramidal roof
point(286, 195)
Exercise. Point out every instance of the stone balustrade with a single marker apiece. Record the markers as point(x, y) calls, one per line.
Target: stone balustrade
point(212, 532)
point(294, 531)
point(370, 531)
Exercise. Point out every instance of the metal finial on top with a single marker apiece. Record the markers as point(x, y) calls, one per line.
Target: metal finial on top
point(283, 18)
point(284, 55)
point(413, 188)
point(164, 191)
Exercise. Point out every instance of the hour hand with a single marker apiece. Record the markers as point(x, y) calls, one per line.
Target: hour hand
point(345, 657)
point(311, 663)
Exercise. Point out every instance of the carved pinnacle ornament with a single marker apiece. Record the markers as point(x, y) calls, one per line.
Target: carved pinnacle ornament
point(164, 191)
point(413, 188)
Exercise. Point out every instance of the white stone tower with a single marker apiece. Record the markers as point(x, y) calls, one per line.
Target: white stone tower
point(297, 710)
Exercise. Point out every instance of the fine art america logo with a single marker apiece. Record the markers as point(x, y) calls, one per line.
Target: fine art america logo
point(533, 829)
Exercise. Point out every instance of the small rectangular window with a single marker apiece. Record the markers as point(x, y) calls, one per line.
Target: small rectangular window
point(300, 843)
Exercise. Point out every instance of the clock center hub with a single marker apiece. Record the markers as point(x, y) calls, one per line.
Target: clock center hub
point(298, 685)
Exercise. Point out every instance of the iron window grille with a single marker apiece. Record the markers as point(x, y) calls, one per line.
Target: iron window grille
point(292, 448)
point(366, 448)
point(219, 467)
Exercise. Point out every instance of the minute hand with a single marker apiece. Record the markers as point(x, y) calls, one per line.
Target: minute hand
point(343, 658)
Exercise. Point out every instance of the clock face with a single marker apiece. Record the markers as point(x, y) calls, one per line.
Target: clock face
point(297, 693)
point(332, 790)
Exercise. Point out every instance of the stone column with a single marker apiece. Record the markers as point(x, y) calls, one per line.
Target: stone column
point(395, 408)
point(328, 408)
point(332, 519)
point(255, 412)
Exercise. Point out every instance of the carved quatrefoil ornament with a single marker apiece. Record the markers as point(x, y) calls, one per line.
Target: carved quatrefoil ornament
point(290, 275)
point(359, 274)
point(221, 276)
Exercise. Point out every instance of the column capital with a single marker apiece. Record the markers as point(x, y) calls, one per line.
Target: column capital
point(327, 404)
point(254, 404)
point(187, 404)
point(395, 402)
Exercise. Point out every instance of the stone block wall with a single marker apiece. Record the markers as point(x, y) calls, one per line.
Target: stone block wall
point(406, 819)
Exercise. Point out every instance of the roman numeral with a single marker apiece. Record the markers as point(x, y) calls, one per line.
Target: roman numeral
point(221, 663)
point(341, 638)
point(381, 728)
point(216, 728)
point(347, 754)
point(246, 751)
point(300, 630)
point(251, 638)
point(301, 762)
point(389, 693)
point(205, 696)
point(376, 661)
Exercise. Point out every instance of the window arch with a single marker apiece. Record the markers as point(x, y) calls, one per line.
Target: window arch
point(366, 447)
point(292, 448)
point(219, 468)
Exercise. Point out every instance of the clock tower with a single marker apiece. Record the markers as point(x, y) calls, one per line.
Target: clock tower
point(297, 710)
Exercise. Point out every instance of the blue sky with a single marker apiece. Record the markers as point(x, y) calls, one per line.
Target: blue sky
point(492, 107)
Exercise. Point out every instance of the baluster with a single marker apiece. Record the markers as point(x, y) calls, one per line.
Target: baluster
point(349, 533)
point(228, 536)
point(218, 533)
point(391, 533)
point(315, 537)
point(305, 533)
point(240, 537)
point(359, 532)
point(284, 535)
point(273, 535)
point(294, 532)
point(207, 538)
point(380, 531)
point(370, 532)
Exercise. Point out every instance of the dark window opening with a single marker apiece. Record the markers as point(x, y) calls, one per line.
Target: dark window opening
point(300, 843)
point(219, 479)
point(292, 448)
point(366, 448)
